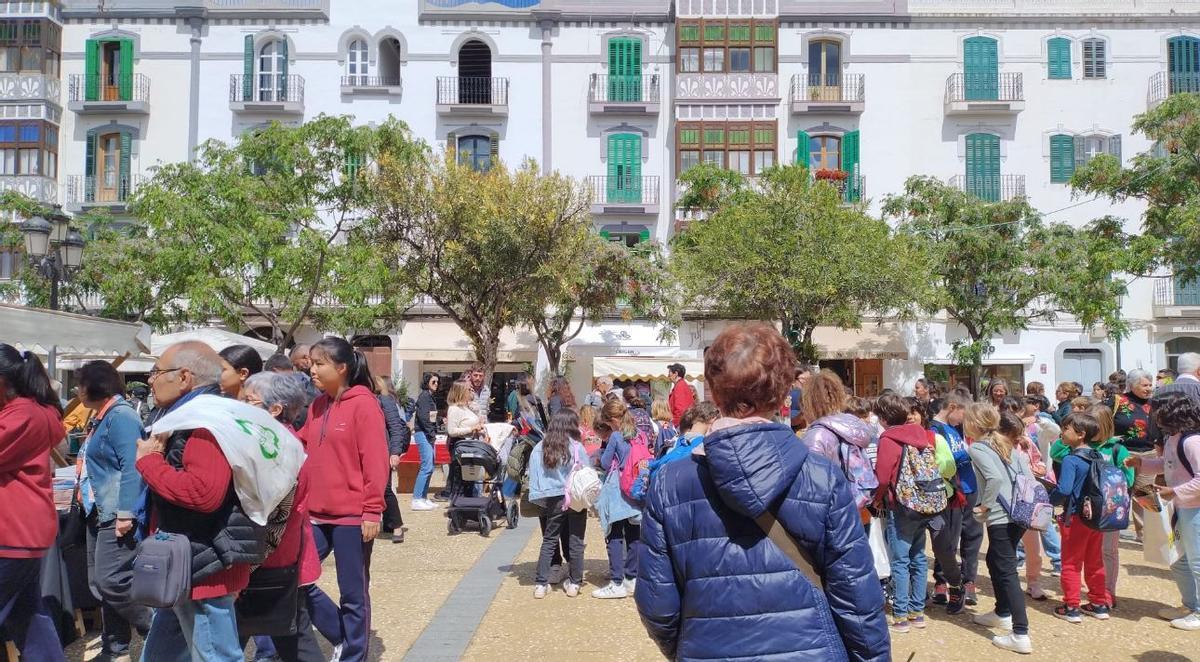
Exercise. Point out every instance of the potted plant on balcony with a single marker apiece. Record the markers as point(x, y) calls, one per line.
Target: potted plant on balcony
point(831, 174)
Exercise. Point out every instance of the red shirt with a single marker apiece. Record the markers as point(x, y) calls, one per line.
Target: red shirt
point(680, 400)
point(28, 430)
point(201, 485)
point(289, 544)
point(346, 441)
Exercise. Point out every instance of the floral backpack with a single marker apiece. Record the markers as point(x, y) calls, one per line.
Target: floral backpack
point(1030, 504)
point(920, 488)
point(1104, 500)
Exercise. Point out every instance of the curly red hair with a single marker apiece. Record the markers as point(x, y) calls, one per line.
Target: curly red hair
point(749, 368)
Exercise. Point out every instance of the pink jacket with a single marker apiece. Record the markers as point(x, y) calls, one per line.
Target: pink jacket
point(1186, 485)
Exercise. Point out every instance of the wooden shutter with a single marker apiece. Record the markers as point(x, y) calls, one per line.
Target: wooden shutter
point(983, 166)
point(494, 145)
point(1094, 65)
point(1062, 157)
point(644, 235)
point(248, 69)
point(624, 168)
point(1183, 57)
point(1080, 151)
point(1114, 146)
point(981, 69)
point(283, 70)
point(125, 82)
point(850, 165)
point(1059, 52)
point(125, 178)
point(89, 159)
point(91, 78)
point(802, 148)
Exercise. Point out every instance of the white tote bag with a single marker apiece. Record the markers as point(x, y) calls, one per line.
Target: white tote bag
point(1158, 537)
point(879, 549)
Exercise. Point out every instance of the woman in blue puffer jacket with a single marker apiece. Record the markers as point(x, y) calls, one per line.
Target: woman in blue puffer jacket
point(711, 583)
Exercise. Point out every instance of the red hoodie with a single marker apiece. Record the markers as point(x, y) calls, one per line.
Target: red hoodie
point(346, 441)
point(887, 462)
point(28, 430)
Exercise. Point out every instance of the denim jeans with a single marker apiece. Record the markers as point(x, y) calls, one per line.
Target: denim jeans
point(421, 485)
point(22, 612)
point(196, 630)
point(1187, 569)
point(910, 567)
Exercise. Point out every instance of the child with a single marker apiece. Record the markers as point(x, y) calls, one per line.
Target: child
point(550, 465)
point(620, 518)
point(665, 431)
point(962, 532)
point(693, 426)
point(1081, 543)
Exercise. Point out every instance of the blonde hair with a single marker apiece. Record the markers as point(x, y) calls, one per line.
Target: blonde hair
point(615, 411)
point(1083, 401)
point(1103, 416)
point(587, 417)
point(460, 394)
point(981, 422)
point(661, 411)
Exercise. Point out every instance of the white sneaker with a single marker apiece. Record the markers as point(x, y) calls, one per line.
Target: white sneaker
point(1191, 622)
point(610, 592)
point(630, 585)
point(1017, 643)
point(337, 654)
point(423, 504)
point(570, 588)
point(540, 591)
point(1173, 613)
point(1036, 592)
point(992, 620)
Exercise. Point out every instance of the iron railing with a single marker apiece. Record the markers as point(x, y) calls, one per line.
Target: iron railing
point(370, 81)
point(604, 88)
point(266, 88)
point(625, 190)
point(851, 189)
point(98, 87)
point(993, 188)
point(472, 91)
point(832, 86)
point(1174, 291)
point(87, 189)
point(1165, 83)
point(985, 86)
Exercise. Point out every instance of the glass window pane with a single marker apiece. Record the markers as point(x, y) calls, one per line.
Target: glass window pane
point(689, 136)
point(764, 60)
point(8, 133)
point(739, 59)
point(763, 160)
point(715, 157)
point(689, 33)
point(739, 33)
point(51, 160)
point(29, 133)
point(833, 56)
point(714, 33)
point(764, 33)
point(765, 136)
point(714, 136)
point(27, 162)
point(8, 161)
point(689, 60)
point(714, 59)
point(688, 159)
point(740, 161)
point(739, 136)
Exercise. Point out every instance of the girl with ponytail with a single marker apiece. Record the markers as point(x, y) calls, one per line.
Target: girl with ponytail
point(345, 437)
point(30, 425)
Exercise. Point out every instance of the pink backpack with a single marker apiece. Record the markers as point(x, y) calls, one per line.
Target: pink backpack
point(637, 468)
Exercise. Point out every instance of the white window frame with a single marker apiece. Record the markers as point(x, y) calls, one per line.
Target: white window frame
point(358, 68)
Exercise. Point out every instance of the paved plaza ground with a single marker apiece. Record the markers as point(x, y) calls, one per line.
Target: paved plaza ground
point(440, 597)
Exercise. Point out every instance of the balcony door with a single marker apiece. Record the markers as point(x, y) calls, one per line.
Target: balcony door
point(108, 70)
point(981, 69)
point(625, 70)
point(1183, 64)
point(983, 166)
point(272, 71)
point(475, 73)
point(624, 168)
point(108, 164)
point(825, 70)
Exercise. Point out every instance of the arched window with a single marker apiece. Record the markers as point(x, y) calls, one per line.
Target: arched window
point(1180, 346)
point(272, 70)
point(825, 69)
point(475, 73)
point(357, 67)
point(476, 152)
point(389, 61)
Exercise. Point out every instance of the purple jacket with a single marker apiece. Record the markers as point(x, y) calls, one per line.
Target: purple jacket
point(822, 436)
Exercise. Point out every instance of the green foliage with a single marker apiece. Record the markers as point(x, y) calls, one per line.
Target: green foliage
point(707, 187)
point(259, 233)
point(995, 267)
point(787, 250)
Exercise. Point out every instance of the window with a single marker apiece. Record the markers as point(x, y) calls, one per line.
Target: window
point(983, 166)
point(739, 161)
point(1058, 52)
point(688, 158)
point(10, 263)
point(29, 45)
point(476, 152)
point(825, 69)
point(356, 62)
point(107, 166)
point(825, 153)
point(624, 181)
point(722, 46)
point(1062, 158)
point(30, 148)
point(272, 69)
point(352, 165)
point(745, 147)
point(8, 161)
point(1094, 66)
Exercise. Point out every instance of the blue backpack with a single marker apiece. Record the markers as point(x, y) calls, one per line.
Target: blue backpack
point(1104, 500)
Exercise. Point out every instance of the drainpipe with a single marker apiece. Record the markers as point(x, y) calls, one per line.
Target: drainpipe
point(547, 97)
point(197, 25)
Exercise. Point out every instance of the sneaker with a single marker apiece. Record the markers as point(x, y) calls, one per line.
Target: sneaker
point(1172, 613)
point(630, 585)
point(610, 592)
point(991, 619)
point(1056, 572)
point(441, 496)
point(337, 653)
point(570, 588)
point(423, 504)
point(955, 604)
point(540, 591)
point(1017, 643)
point(1095, 611)
point(1069, 614)
point(1036, 593)
point(917, 621)
point(1191, 622)
point(969, 594)
point(398, 536)
point(940, 594)
point(900, 626)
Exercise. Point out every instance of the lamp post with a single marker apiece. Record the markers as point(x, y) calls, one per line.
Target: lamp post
point(55, 248)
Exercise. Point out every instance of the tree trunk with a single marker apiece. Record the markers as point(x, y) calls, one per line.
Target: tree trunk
point(553, 360)
point(977, 378)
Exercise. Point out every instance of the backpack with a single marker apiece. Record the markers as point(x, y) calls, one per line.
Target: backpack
point(856, 466)
point(642, 421)
point(1030, 505)
point(962, 457)
point(663, 442)
point(920, 488)
point(1104, 500)
point(635, 473)
point(583, 486)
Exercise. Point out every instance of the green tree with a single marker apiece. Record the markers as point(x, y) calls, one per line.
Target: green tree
point(995, 267)
point(480, 244)
point(787, 250)
point(259, 233)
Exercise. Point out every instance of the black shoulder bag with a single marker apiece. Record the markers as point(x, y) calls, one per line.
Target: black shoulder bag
point(268, 604)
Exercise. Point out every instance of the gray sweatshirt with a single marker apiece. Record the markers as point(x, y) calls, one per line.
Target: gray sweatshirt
point(996, 479)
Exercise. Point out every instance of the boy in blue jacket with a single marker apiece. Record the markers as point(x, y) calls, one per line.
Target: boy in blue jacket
point(1082, 546)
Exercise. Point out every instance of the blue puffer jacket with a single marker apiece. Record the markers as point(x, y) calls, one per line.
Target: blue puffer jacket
point(712, 586)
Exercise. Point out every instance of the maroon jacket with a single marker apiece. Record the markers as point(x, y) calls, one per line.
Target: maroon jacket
point(28, 430)
point(887, 462)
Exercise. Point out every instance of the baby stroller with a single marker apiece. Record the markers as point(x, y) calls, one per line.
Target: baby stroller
point(480, 475)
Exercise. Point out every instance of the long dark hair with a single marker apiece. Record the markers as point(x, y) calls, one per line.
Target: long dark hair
point(556, 445)
point(341, 352)
point(243, 357)
point(24, 375)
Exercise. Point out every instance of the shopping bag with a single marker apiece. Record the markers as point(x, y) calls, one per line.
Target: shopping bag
point(264, 456)
point(1158, 536)
point(879, 549)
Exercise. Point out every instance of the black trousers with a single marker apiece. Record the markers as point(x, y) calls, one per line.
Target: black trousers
point(556, 525)
point(392, 519)
point(302, 646)
point(563, 548)
point(110, 576)
point(962, 536)
point(1002, 566)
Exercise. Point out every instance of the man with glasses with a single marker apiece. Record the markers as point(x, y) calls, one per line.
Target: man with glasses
point(191, 487)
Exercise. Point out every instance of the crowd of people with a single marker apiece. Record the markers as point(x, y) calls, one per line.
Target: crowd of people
point(779, 516)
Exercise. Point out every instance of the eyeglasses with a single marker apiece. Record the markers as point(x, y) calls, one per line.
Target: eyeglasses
point(155, 372)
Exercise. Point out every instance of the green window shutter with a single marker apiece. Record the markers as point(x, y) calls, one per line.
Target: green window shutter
point(1080, 151)
point(981, 69)
point(850, 165)
point(1059, 51)
point(283, 70)
point(802, 148)
point(644, 235)
point(624, 168)
point(494, 149)
point(1183, 57)
point(983, 166)
point(604, 234)
point(91, 78)
point(625, 69)
point(89, 159)
point(248, 69)
point(125, 80)
point(125, 177)
point(1062, 158)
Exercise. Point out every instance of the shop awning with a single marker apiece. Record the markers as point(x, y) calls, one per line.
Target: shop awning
point(870, 342)
point(37, 330)
point(216, 338)
point(443, 342)
point(994, 359)
point(644, 368)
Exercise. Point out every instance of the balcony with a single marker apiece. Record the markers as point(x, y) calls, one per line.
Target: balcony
point(1003, 188)
point(831, 93)
point(368, 85)
point(1165, 83)
point(851, 188)
point(1174, 298)
point(985, 94)
point(44, 189)
point(85, 192)
point(625, 196)
point(267, 94)
point(741, 87)
point(30, 87)
point(472, 96)
point(623, 95)
point(99, 95)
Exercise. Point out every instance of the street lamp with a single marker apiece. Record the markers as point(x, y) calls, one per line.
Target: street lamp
point(55, 248)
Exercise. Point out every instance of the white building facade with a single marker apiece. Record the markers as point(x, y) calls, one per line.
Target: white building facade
point(1002, 100)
